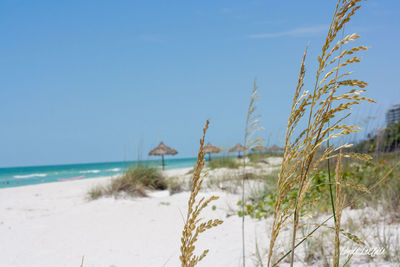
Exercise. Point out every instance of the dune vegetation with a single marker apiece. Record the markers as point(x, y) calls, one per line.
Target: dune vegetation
point(223, 162)
point(134, 182)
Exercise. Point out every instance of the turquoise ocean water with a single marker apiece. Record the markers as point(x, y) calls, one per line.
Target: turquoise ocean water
point(20, 176)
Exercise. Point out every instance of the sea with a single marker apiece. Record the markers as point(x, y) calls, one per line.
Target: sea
point(21, 176)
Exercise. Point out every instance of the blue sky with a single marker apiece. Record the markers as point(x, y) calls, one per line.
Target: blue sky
point(98, 81)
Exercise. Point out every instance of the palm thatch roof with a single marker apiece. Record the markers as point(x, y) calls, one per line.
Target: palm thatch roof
point(162, 149)
point(209, 148)
point(238, 147)
point(258, 148)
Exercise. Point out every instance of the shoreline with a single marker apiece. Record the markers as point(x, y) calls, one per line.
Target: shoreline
point(22, 182)
point(93, 180)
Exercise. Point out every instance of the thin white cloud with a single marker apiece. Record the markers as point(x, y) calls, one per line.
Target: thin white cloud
point(297, 32)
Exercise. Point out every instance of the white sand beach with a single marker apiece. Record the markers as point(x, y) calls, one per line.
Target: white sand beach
point(55, 224)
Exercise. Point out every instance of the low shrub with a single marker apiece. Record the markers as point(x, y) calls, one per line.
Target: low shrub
point(224, 162)
point(174, 185)
point(95, 192)
point(357, 176)
point(260, 203)
point(135, 181)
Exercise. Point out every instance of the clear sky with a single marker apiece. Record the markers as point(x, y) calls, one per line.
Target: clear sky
point(99, 81)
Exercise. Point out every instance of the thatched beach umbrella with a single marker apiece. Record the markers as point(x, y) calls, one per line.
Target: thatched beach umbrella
point(238, 148)
point(258, 148)
point(162, 150)
point(209, 148)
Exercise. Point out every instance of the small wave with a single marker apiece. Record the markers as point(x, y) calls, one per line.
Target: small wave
point(30, 175)
point(90, 171)
point(114, 170)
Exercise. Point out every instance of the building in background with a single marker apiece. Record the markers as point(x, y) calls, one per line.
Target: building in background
point(393, 115)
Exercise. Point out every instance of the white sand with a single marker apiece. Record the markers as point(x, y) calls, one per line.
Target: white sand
point(54, 225)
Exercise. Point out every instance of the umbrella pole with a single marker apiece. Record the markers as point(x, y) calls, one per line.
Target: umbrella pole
point(163, 164)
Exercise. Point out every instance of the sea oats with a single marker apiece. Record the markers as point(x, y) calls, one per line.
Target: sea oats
point(324, 109)
point(252, 127)
point(193, 224)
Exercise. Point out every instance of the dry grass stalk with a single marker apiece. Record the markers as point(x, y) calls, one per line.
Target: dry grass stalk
point(252, 122)
point(193, 225)
point(324, 104)
point(252, 127)
point(339, 204)
point(297, 111)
